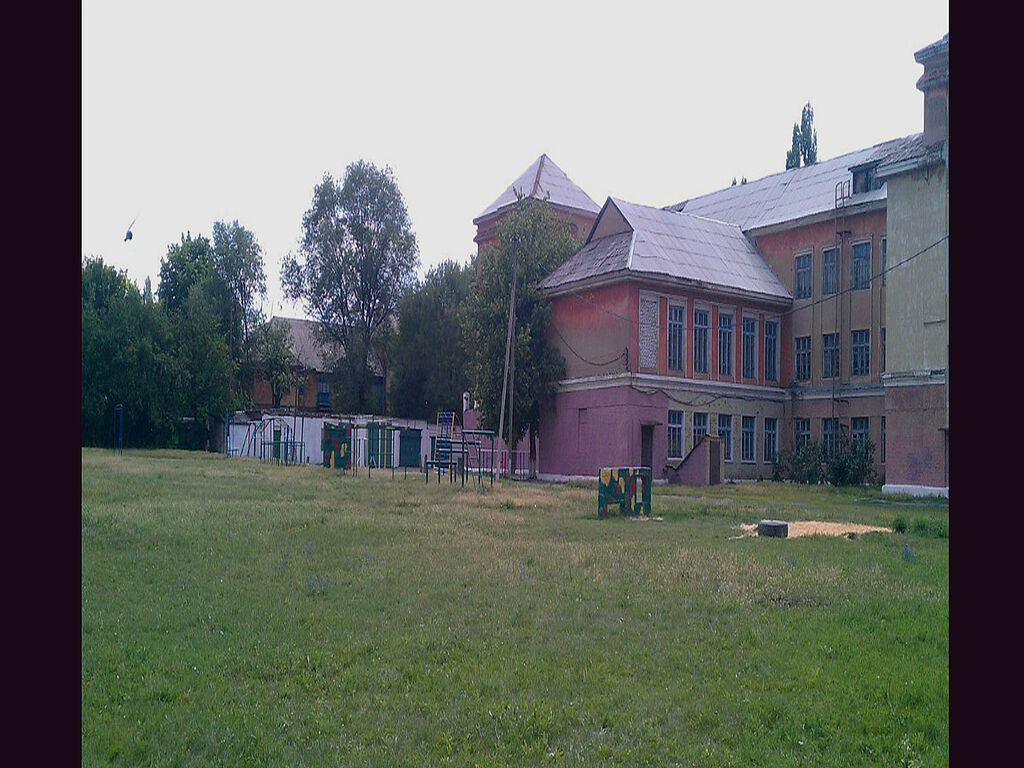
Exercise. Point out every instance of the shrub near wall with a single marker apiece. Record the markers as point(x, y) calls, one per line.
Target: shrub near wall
point(812, 463)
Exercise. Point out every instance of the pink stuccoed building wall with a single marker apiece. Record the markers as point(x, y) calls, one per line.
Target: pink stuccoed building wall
point(590, 429)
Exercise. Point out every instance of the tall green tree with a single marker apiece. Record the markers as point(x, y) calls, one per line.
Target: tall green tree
point(128, 359)
point(357, 257)
point(804, 147)
point(277, 360)
point(429, 361)
point(204, 362)
point(240, 284)
point(186, 264)
point(537, 242)
point(808, 136)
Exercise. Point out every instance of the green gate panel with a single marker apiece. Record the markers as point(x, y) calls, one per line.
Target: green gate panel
point(381, 445)
point(409, 448)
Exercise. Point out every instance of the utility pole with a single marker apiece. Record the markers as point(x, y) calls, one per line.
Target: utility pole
point(508, 348)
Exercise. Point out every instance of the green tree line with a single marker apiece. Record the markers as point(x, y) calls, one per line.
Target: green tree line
point(179, 359)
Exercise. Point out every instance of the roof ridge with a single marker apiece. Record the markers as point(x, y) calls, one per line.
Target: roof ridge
point(540, 170)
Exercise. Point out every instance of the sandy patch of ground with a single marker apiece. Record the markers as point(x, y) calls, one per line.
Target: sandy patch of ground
point(816, 528)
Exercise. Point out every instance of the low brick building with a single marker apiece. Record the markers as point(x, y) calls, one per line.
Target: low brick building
point(317, 388)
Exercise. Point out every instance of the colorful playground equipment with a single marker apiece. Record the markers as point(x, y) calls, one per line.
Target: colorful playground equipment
point(341, 450)
point(336, 445)
point(629, 487)
point(272, 439)
point(457, 450)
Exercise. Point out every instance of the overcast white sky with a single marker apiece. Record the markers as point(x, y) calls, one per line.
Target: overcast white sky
point(196, 112)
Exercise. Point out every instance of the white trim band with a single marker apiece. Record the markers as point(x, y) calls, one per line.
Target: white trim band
point(915, 490)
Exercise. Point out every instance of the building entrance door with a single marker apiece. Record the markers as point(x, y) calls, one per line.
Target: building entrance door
point(646, 445)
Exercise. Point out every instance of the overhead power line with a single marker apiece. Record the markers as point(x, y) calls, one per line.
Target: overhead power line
point(789, 311)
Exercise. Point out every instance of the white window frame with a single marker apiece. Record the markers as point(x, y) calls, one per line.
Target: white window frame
point(839, 270)
point(753, 441)
point(681, 427)
point(867, 429)
point(853, 265)
point(883, 440)
point(826, 372)
point(729, 312)
point(727, 443)
point(796, 432)
point(681, 303)
point(700, 306)
point(810, 275)
point(882, 361)
point(796, 357)
point(853, 351)
point(754, 317)
point(884, 256)
point(838, 431)
point(778, 343)
point(775, 438)
point(693, 425)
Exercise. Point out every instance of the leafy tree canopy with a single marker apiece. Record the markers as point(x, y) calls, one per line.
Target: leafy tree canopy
point(357, 257)
point(429, 359)
point(277, 359)
point(804, 147)
point(127, 359)
point(186, 264)
point(537, 242)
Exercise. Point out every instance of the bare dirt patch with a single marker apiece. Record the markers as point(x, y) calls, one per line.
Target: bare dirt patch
point(816, 528)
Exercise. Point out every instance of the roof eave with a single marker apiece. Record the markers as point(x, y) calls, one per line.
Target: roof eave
point(816, 218)
point(913, 164)
point(509, 206)
point(598, 281)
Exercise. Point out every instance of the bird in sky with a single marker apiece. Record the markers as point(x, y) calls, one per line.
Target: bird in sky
point(128, 236)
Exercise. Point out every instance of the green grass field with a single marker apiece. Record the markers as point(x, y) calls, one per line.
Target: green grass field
point(238, 613)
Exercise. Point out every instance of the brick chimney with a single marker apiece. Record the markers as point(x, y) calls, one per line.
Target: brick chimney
point(934, 83)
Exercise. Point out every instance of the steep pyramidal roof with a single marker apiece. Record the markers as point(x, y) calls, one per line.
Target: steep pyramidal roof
point(543, 178)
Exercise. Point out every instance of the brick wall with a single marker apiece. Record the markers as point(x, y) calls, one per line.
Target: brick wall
point(917, 447)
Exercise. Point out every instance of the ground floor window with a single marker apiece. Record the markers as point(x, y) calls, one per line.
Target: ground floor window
point(725, 433)
point(830, 434)
point(770, 439)
point(747, 439)
point(675, 434)
point(801, 432)
point(859, 429)
point(883, 439)
point(700, 426)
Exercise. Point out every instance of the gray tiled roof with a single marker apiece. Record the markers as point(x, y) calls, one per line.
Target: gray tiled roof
point(914, 150)
point(665, 243)
point(542, 178)
point(305, 347)
point(598, 257)
point(792, 194)
point(308, 351)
